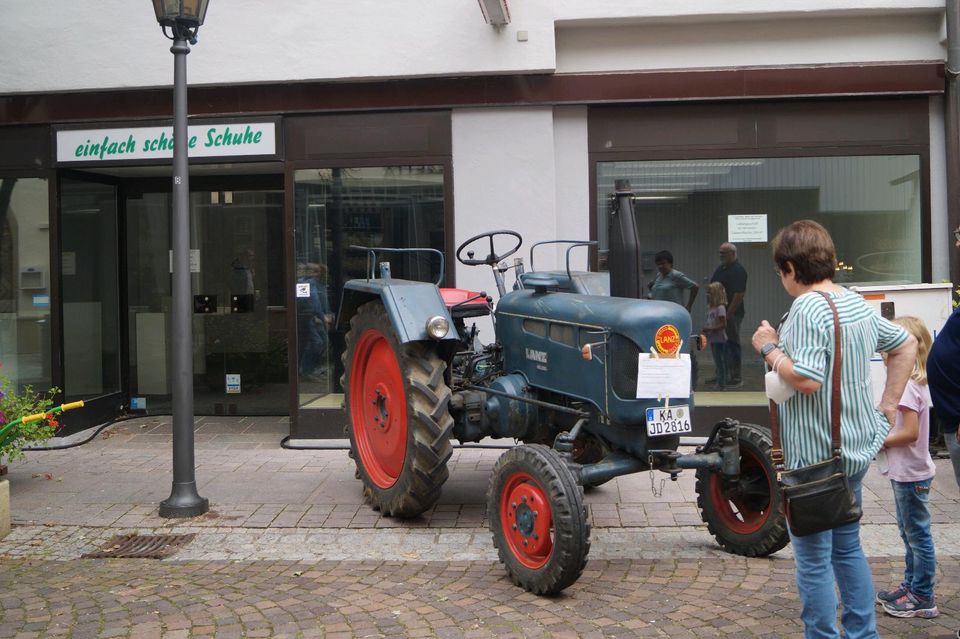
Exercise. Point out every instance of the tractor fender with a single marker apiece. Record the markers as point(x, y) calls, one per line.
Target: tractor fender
point(408, 304)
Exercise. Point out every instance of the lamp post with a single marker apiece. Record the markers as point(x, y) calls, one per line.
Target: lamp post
point(183, 18)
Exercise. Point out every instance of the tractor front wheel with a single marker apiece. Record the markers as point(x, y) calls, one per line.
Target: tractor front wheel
point(538, 520)
point(744, 514)
point(399, 423)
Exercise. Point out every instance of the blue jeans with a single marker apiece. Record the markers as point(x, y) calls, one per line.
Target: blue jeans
point(312, 340)
point(733, 351)
point(913, 519)
point(835, 556)
point(953, 447)
point(719, 359)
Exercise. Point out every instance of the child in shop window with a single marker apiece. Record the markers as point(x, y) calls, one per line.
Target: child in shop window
point(911, 471)
point(716, 329)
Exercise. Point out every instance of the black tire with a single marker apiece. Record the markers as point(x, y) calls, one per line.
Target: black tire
point(539, 523)
point(745, 516)
point(398, 419)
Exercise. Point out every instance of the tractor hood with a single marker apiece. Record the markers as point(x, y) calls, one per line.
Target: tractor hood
point(637, 320)
point(543, 333)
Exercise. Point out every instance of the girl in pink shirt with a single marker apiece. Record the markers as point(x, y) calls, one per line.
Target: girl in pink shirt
point(911, 471)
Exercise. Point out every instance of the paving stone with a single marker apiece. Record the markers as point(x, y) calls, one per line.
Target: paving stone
point(271, 563)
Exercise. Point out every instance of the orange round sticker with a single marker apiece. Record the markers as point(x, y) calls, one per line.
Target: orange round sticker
point(667, 339)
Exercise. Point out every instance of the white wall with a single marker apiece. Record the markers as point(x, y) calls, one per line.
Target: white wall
point(746, 43)
point(60, 45)
point(572, 181)
point(504, 177)
point(54, 45)
point(619, 11)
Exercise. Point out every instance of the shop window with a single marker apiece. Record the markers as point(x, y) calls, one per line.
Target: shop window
point(25, 282)
point(239, 297)
point(336, 208)
point(870, 204)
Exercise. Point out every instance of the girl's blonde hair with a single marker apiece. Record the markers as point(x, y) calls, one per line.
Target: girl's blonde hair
point(716, 295)
point(918, 329)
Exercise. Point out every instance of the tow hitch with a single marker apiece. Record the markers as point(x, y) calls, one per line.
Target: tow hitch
point(720, 454)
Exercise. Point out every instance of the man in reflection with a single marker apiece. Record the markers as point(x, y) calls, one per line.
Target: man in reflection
point(670, 283)
point(731, 274)
point(241, 278)
point(314, 318)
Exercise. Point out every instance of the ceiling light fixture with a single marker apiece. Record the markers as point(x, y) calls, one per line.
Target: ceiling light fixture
point(495, 12)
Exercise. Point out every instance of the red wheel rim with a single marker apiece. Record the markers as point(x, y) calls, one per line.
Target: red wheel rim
point(526, 520)
point(378, 409)
point(733, 508)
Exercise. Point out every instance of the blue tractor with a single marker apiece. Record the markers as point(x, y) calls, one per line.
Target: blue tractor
point(592, 384)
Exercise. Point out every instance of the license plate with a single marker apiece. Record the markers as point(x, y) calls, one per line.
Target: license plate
point(674, 420)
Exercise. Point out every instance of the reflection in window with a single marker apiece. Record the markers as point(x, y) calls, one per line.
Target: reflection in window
point(391, 207)
point(686, 203)
point(870, 204)
point(91, 317)
point(25, 282)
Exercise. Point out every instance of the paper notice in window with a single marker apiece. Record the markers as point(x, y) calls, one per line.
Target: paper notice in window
point(664, 377)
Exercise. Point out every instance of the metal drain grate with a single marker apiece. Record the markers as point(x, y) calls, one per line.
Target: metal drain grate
point(140, 547)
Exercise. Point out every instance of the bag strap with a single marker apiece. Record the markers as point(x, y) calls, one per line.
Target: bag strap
point(776, 451)
point(835, 390)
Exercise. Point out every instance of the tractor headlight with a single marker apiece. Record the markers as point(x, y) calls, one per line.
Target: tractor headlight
point(438, 327)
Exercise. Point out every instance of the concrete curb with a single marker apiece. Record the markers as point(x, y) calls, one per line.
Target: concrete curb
point(57, 542)
point(4, 508)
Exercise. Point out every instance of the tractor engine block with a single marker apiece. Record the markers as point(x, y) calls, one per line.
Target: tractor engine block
point(497, 413)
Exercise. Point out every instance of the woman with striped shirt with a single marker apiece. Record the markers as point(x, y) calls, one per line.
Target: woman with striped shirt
point(801, 354)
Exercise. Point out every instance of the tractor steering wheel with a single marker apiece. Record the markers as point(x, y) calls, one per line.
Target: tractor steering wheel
point(492, 259)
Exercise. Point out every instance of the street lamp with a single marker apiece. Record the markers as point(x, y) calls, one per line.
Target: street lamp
point(183, 18)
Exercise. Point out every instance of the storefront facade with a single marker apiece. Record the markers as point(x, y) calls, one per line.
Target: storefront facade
point(286, 177)
point(101, 299)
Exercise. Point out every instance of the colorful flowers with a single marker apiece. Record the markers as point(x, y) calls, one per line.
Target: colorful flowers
point(19, 401)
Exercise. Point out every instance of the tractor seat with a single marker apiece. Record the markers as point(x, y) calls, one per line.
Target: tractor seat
point(582, 282)
point(454, 296)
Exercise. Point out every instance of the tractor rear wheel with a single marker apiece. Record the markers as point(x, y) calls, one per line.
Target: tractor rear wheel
point(539, 523)
point(744, 514)
point(399, 423)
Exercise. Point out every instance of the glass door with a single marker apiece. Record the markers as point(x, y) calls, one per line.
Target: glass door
point(90, 295)
point(336, 208)
point(239, 302)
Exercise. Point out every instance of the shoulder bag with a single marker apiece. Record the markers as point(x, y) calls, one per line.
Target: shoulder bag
point(817, 497)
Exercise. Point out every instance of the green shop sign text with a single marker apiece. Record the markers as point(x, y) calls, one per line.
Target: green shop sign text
point(214, 137)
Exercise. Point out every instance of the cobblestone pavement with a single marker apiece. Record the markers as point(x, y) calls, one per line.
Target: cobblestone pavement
point(251, 482)
point(685, 598)
point(289, 549)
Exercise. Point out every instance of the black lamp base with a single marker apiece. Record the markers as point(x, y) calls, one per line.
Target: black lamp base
point(184, 502)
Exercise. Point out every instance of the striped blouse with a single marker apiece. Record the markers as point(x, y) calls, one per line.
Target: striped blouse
point(807, 338)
